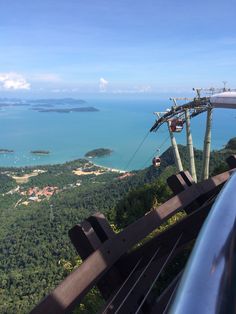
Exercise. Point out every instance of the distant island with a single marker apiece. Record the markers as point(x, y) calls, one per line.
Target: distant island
point(59, 101)
point(40, 152)
point(68, 110)
point(6, 151)
point(99, 152)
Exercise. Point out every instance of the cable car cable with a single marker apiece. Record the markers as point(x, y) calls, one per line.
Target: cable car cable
point(135, 153)
point(158, 149)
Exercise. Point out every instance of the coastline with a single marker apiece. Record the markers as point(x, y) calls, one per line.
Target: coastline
point(61, 163)
point(75, 137)
point(109, 169)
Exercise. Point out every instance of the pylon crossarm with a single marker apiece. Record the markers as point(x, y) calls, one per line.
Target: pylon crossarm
point(197, 106)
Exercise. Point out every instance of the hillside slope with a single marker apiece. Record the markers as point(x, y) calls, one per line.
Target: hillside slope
point(34, 234)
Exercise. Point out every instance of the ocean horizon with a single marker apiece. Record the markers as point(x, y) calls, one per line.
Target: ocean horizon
point(120, 125)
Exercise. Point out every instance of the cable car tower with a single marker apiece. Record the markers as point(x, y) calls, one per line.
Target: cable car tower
point(179, 115)
point(175, 118)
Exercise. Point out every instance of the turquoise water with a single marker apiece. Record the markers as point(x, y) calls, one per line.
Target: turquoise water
point(119, 125)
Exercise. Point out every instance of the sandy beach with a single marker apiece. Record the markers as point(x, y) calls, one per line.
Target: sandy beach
point(101, 170)
point(110, 169)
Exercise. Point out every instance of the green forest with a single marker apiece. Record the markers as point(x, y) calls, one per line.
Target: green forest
point(35, 251)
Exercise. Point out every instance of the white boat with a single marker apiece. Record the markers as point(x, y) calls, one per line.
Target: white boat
point(224, 100)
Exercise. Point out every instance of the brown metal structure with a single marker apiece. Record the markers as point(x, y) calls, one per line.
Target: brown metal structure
point(126, 271)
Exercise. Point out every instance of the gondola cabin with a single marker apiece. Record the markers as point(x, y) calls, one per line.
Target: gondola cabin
point(176, 125)
point(156, 162)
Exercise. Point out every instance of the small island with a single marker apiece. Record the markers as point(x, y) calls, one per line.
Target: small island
point(99, 152)
point(6, 151)
point(59, 101)
point(68, 110)
point(40, 152)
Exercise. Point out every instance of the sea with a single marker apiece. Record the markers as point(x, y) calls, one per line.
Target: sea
point(121, 125)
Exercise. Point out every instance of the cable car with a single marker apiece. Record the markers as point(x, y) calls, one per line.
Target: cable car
point(156, 161)
point(176, 125)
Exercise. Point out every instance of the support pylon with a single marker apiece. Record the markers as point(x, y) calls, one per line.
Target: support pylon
point(207, 146)
point(190, 146)
point(178, 161)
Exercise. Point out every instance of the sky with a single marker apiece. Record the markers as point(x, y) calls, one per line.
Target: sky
point(70, 47)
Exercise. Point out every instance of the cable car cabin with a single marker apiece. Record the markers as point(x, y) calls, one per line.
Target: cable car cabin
point(156, 162)
point(176, 125)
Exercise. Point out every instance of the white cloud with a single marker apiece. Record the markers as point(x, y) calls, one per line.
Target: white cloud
point(13, 81)
point(103, 84)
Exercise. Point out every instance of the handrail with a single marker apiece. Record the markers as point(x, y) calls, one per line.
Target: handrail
point(208, 284)
point(78, 283)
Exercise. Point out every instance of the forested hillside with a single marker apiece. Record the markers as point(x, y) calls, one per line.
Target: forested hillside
point(34, 243)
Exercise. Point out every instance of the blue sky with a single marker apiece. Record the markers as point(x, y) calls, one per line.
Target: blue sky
point(69, 47)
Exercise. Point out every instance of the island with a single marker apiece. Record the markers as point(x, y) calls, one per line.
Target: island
point(6, 151)
point(40, 152)
point(68, 110)
point(59, 101)
point(99, 152)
